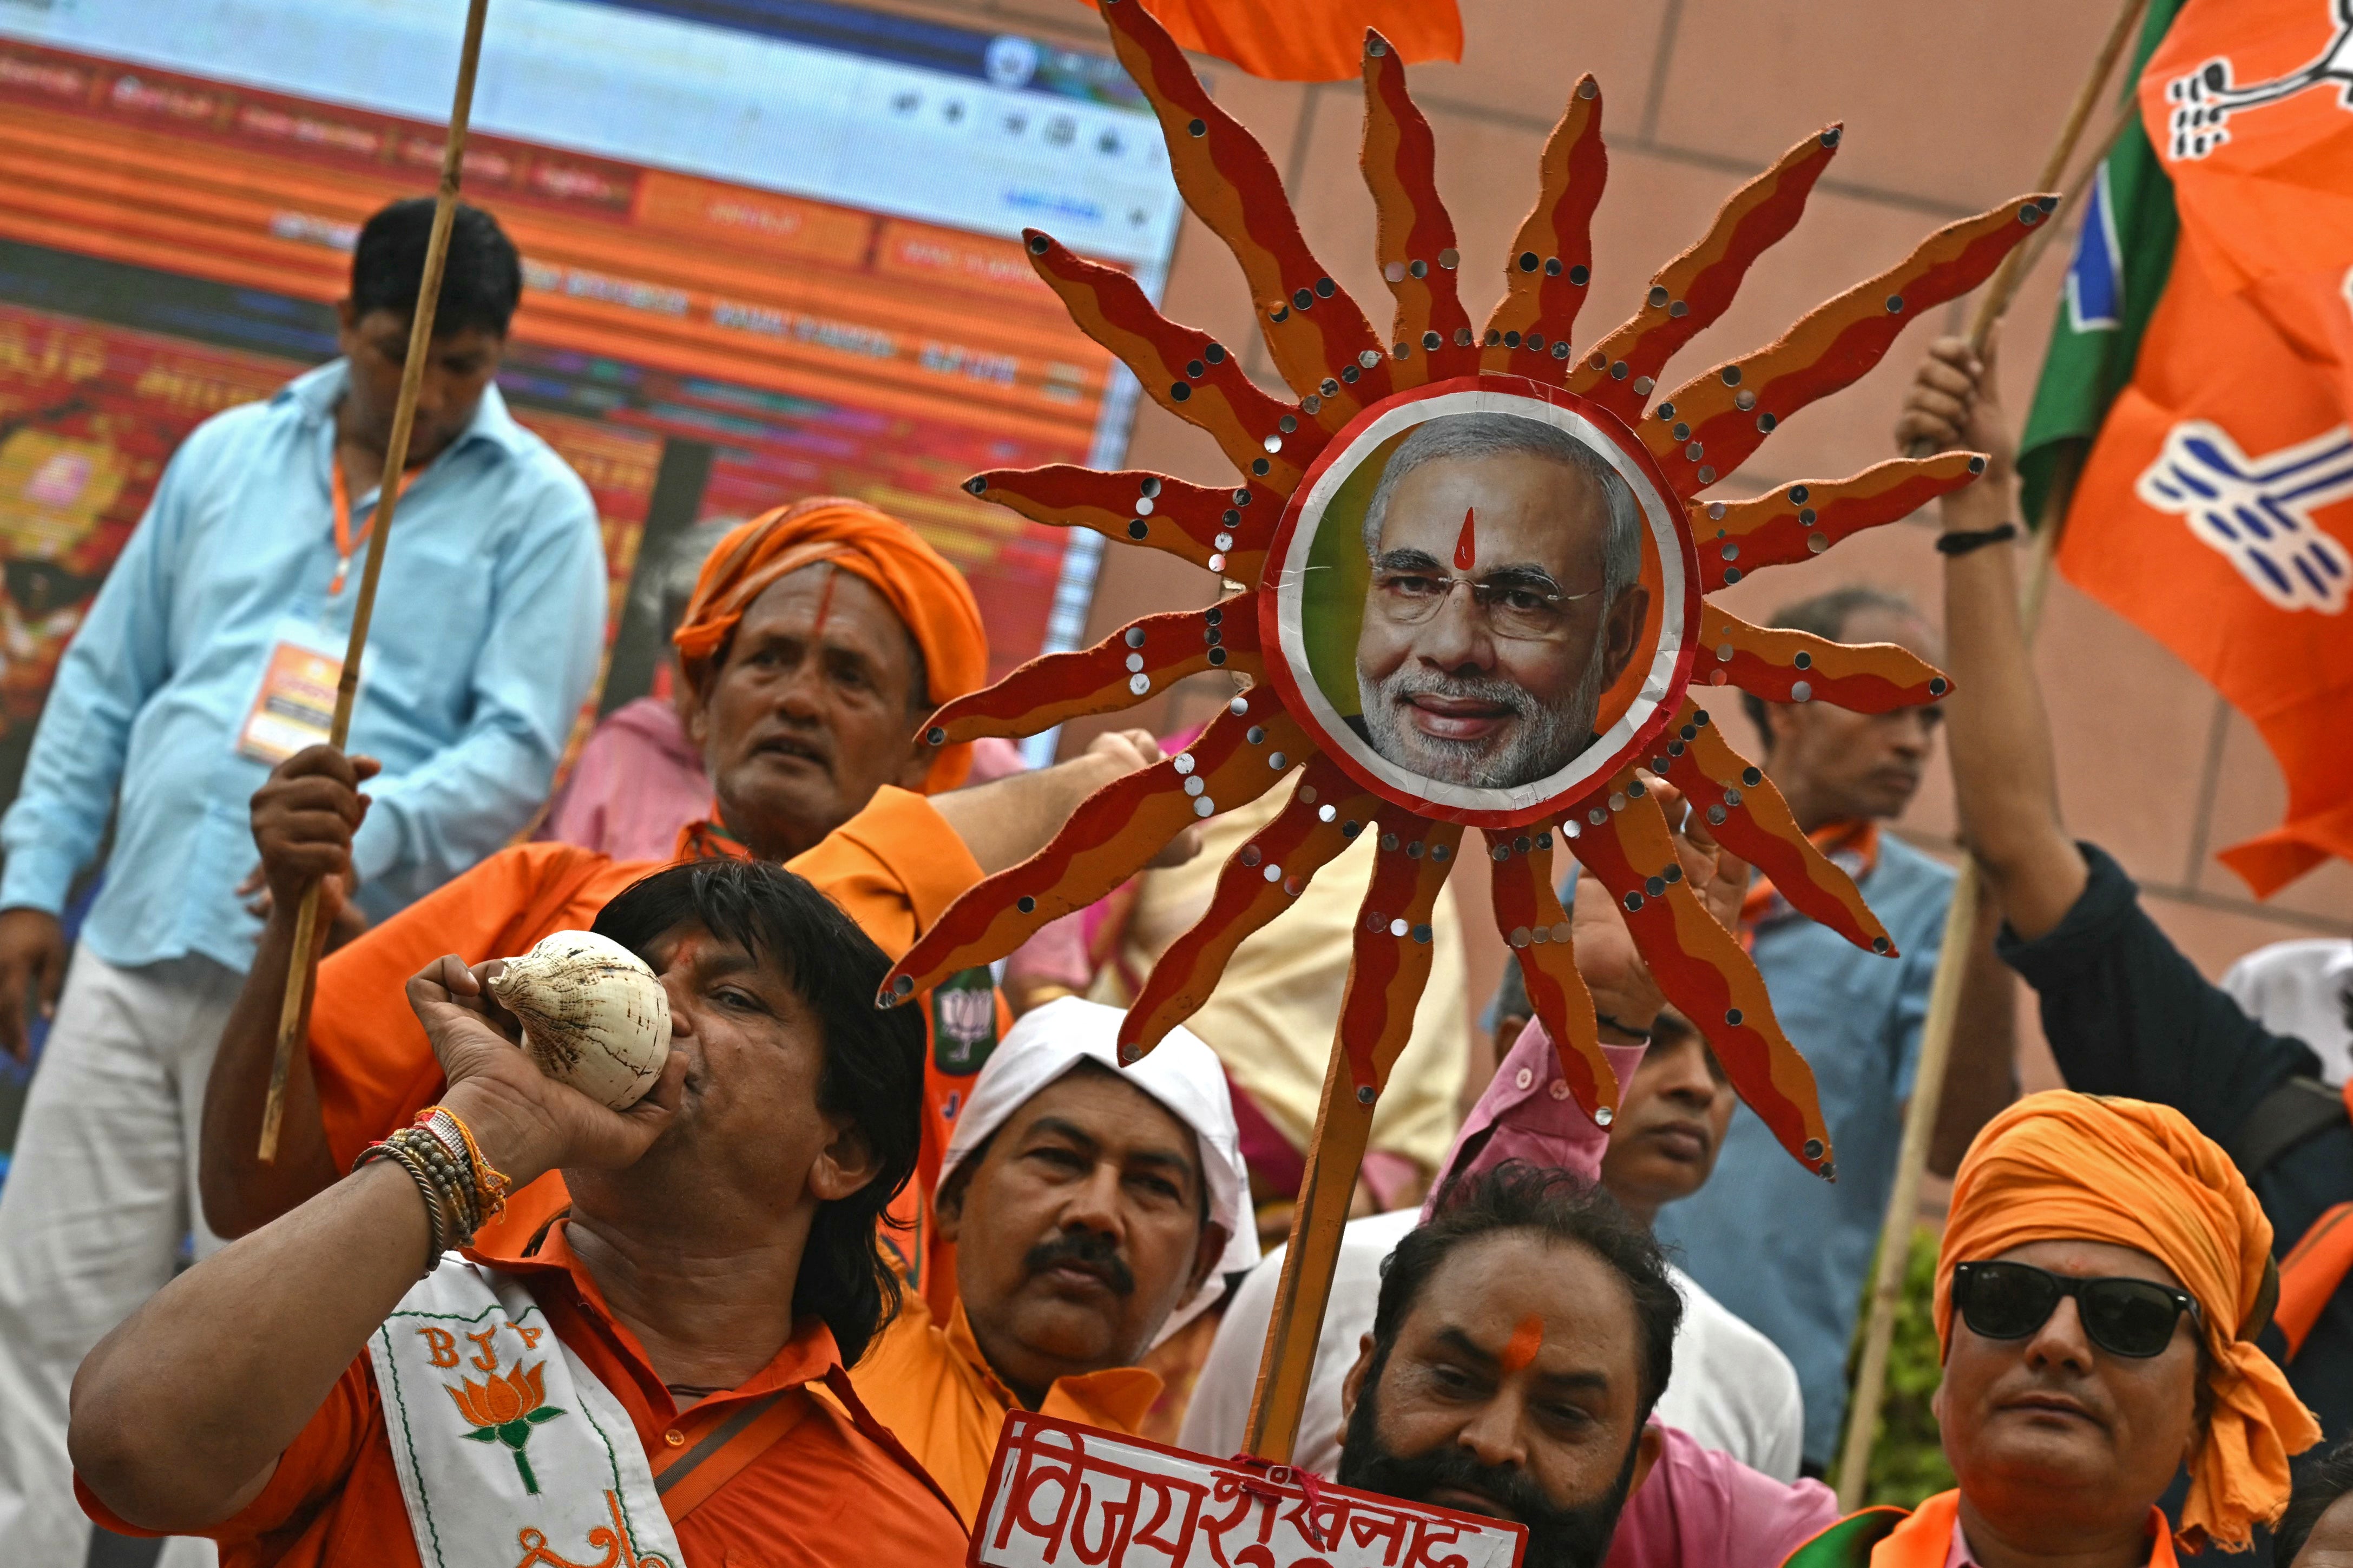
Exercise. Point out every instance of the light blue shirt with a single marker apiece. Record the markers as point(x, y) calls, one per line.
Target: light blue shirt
point(1784, 1249)
point(488, 625)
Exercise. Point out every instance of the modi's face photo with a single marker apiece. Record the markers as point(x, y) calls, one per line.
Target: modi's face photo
point(1504, 600)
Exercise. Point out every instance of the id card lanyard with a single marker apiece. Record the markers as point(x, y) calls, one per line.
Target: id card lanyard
point(295, 705)
point(346, 544)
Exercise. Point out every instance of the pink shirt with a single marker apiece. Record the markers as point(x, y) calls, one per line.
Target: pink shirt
point(637, 782)
point(1702, 1508)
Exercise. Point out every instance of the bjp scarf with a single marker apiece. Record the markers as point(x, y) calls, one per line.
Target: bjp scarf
point(2061, 1166)
point(928, 594)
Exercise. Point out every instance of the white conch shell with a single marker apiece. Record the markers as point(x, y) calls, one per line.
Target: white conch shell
point(594, 1015)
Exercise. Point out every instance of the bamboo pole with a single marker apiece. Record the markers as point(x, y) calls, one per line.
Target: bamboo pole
point(1870, 1389)
point(395, 463)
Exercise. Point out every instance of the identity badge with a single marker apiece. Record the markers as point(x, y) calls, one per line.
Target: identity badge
point(963, 1020)
point(296, 705)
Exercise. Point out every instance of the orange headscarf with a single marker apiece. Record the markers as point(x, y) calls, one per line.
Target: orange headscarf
point(930, 596)
point(2060, 1166)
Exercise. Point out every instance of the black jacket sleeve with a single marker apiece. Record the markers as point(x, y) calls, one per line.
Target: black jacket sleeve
point(2126, 1013)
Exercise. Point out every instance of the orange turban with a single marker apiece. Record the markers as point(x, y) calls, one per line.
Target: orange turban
point(930, 596)
point(2060, 1166)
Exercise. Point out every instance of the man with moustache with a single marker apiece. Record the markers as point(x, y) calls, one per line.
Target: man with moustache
point(1091, 1210)
point(1522, 1337)
point(1497, 686)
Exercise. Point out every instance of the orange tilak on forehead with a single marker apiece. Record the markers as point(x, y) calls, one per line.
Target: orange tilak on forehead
point(1521, 1349)
point(1466, 544)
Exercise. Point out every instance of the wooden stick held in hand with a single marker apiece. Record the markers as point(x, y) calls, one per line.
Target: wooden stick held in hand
point(396, 464)
point(1886, 1295)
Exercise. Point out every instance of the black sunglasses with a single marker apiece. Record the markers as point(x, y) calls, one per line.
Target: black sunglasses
point(2123, 1317)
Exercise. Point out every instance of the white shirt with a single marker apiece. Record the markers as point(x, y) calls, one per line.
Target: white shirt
point(2300, 988)
point(1732, 1389)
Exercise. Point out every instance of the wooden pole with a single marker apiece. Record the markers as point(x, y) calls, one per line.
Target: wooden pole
point(1961, 916)
point(1335, 1152)
point(395, 463)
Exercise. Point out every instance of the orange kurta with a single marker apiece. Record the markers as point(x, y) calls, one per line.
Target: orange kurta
point(823, 1494)
point(933, 1389)
point(894, 867)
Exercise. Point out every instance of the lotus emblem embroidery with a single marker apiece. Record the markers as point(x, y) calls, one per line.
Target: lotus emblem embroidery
point(505, 1409)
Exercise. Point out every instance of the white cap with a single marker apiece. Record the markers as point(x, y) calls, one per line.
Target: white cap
point(1183, 1074)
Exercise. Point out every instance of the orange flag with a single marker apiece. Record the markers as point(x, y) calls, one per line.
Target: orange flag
point(1310, 40)
point(2216, 507)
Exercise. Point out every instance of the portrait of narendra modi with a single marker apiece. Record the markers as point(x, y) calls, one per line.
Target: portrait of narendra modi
point(1504, 599)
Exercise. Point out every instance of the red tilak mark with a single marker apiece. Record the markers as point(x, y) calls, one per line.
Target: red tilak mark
point(825, 600)
point(1525, 1341)
point(1466, 544)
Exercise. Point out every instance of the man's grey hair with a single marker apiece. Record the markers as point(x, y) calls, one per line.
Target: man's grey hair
point(1467, 436)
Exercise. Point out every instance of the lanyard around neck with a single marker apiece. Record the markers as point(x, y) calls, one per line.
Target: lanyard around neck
point(346, 544)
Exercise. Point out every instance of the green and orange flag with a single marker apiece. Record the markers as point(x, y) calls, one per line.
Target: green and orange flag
point(1309, 40)
point(2204, 349)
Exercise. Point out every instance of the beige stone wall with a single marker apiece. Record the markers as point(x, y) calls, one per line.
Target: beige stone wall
point(1948, 109)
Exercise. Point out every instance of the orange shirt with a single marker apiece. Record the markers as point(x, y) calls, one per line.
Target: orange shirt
point(894, 867)
point(824, 1495)
point(935, 1390)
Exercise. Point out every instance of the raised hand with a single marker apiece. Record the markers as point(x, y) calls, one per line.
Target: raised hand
point(526, 1122)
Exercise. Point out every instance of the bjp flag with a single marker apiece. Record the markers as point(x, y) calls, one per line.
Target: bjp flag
point(2214, 508)
point(1310, 40)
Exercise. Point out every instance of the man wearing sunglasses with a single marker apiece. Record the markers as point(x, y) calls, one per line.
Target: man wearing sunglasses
point(2103, 1275)
point(1504, 599)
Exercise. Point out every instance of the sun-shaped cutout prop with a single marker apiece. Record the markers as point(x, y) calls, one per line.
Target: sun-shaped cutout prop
point(1474, 569)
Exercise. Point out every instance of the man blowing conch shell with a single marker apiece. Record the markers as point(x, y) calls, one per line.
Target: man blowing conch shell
point(642, 1377)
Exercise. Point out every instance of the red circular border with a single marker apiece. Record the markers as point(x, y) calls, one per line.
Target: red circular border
point(1286, 685)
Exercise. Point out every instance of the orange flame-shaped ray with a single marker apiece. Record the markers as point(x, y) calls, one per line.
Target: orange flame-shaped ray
point(1214, 528)
point(1325, 814)
point(1746, 814)
point(1727, 413)
point(1183, 369)
point(1432, 335)
point(1800, 520)
point(1390, 965)
point(1242, 754)
point(1316, 332)
point(1782, 666)
point(1123, 670)
point(1529, 918)
point(1689, 293)
point(1551, 258)
point(1622, 838)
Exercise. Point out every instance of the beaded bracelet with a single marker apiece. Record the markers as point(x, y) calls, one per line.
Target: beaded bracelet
point(450, 1176)
point(491, 1188)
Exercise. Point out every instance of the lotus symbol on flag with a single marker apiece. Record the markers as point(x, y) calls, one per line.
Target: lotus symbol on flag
point(2258, 510)
point(2205, 98)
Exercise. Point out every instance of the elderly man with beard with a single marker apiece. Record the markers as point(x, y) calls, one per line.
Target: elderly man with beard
point(1499, 685)
point(1522, 1337)
point(1088, 1210)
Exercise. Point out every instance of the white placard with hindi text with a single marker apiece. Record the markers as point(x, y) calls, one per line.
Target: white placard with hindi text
point(1062, 1493)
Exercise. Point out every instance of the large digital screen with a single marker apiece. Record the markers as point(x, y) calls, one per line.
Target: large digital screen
point(771, 251)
